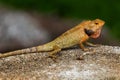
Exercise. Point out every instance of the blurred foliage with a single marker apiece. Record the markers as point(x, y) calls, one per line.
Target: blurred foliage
point(108, 10)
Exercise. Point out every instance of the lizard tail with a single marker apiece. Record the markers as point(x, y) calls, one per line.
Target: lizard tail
point(17, 52)
point(41, 48)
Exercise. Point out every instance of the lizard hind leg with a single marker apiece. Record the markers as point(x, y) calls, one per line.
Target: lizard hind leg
point(53, 53)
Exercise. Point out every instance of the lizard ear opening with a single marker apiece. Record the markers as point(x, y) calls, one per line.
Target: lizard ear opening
point(89, 32)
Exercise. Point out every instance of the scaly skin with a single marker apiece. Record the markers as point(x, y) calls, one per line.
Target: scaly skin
point(77, 35)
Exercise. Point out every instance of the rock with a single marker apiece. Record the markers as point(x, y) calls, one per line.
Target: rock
point(100, 63)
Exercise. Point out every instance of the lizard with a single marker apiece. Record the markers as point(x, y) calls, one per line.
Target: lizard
point(75, 36)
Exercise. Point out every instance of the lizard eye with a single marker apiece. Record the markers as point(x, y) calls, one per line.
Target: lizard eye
point(89, 32)
point(96, 23)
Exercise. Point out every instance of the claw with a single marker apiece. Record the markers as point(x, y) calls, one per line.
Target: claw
point(85, 49)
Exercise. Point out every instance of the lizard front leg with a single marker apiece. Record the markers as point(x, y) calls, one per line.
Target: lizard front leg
point(53, 53)
point(91, 44)
point(86, 49)
point(82, 47)
point(81, 43)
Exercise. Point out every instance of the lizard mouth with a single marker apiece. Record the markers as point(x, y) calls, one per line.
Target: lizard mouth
point(96, 34)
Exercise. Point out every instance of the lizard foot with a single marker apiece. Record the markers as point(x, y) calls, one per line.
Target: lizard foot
point(85, 49)
point(52, 56)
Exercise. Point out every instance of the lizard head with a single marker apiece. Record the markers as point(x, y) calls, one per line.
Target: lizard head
point(93, 28)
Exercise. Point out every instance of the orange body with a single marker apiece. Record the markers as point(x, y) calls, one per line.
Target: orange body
point(77, 35)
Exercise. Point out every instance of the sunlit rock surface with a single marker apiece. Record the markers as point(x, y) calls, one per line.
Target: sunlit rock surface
point(100, 63)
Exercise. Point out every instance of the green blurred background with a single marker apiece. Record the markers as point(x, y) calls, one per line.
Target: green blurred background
point(73, 10)
point(108, 10)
